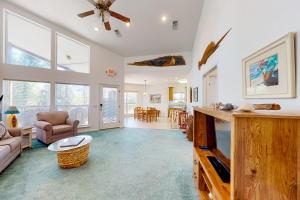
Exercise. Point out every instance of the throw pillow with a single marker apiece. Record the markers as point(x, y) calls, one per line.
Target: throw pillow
point(4, 134)
point(2, 130)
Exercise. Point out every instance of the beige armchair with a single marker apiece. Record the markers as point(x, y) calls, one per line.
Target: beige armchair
point(53, 126)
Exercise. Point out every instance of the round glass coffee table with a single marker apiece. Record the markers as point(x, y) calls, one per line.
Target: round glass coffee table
point(70, 155)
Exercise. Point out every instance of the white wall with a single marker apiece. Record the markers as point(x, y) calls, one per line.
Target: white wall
point(162, 89)
point(255, 24)
point(101, 59)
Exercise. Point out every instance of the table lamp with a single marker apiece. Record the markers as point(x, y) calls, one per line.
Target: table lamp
point(12, 118)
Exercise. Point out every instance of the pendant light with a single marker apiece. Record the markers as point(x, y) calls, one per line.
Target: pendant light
point(145, 89)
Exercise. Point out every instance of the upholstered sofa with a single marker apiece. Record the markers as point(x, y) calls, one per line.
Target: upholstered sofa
point(10, 148)
point(53, 126)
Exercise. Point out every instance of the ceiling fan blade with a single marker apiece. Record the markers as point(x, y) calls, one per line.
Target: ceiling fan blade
point(119, 16)
point(85, 14)
point(107, 26)
point(108, 3)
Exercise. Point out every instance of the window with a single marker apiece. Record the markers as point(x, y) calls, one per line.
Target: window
point(72, 55)
point(29, 97)
point(75, 100)
point(130, 101)
point(179, 97)
point(26, 43)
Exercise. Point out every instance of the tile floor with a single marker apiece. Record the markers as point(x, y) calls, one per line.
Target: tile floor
point(162, 123)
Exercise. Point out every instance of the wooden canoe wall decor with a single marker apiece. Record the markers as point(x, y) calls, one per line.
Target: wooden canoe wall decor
point(165, 61)
point(210, 49)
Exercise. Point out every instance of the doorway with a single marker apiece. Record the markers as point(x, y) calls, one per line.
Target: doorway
point(210, 90)
point(109, 106)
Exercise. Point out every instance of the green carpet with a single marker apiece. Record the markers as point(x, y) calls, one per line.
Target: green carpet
point(124, 164)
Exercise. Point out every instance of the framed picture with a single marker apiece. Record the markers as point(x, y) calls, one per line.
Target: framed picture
point(195, 94)
point(270, 72)
point(191, 95)
point(155, 98)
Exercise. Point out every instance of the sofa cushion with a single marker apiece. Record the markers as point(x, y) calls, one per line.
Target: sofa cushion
point(13, 143)
point(4, 151)
point(4, 134)
point(58, 129)
point(54, 118)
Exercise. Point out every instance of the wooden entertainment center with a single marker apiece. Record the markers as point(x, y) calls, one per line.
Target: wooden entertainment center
point(264, 161)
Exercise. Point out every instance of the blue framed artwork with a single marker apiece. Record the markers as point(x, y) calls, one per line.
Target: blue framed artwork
point(270, 72)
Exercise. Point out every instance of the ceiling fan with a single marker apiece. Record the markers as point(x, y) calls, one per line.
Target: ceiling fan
point(102, 9)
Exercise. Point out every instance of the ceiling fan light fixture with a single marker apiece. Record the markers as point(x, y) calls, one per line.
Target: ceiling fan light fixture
point(96, 29)
point(102, 11)
point(145, 88)
point(106, 16)
point(128, 24)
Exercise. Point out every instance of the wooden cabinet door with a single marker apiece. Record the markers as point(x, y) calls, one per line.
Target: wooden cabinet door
point(265, 158)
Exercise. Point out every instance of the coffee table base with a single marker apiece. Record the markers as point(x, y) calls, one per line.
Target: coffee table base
point(73, 158)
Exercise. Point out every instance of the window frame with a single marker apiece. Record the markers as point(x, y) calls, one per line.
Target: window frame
point(76, 41)
point(89, 102)
point(5, 37)
point(126, 104)
point(31, 81)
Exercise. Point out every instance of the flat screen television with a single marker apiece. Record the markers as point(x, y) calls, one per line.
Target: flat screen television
point(223, 137)
point(221, 160)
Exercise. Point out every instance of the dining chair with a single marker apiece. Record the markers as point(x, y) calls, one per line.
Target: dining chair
point(153, 115)
point(140, 114)
point(136, 112)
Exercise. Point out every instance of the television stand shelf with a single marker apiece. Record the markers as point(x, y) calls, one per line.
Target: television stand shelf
point(208, 177)
point(264, 161)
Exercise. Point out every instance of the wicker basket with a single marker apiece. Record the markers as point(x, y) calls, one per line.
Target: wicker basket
point(74, 157)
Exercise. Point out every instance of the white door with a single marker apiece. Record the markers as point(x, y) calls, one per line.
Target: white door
point(211, 87)
point(212, 90)
point(109, 106)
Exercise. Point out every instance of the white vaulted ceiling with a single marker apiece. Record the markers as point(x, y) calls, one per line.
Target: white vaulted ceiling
point(147, 34)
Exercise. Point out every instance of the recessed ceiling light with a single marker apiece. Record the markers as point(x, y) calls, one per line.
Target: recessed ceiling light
point(163, 18)
point(183, 81)
point(128, 24)
point(96, 29)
